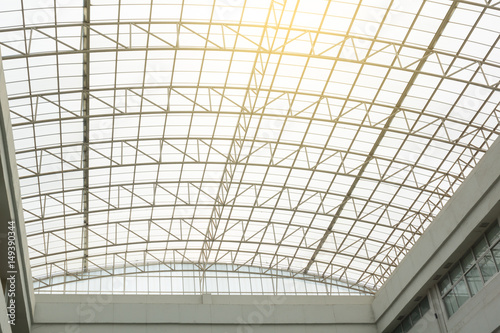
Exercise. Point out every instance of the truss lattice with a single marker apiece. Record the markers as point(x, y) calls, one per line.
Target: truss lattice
point(318, 138)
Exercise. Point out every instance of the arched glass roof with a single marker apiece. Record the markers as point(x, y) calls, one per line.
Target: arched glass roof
point(311, 138)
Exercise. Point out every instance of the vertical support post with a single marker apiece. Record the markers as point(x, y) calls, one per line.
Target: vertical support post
point(15, 271)
point(86, 129)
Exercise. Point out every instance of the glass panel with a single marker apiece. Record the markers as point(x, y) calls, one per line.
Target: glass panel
point(456, 273)
point(165, 175)
point(398, 329)
point(406, 324)
point(461, 292)
point(467, 261)
point(415, 315)
point(444, 285)
point(480, 247)
point(496, 254)
point(493, 234)
point(474, 280)
point(450, 303)
point(487, 266)
point(424, 306)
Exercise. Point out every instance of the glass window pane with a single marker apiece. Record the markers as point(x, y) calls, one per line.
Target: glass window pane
point(165, 284)
point(487, 266)
point(474, 280)
point(450, 303)
point(415, 315)
point(493, 234)
point(467, 260)
point(189, 284)
point(444, 285)
point(234, 286)
point(496, 254)
point(398, 329)
point(480, 247)
point(223, 284)
point(211, 285)
point(424, 306)
point(246, 287)
point(130, 284)
point(456, 273)
point(142, 284)
point(406, 324)
point(461, 292)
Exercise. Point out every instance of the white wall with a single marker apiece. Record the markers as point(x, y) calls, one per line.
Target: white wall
point(454, 230)
point(480, 313)
point(287, 314)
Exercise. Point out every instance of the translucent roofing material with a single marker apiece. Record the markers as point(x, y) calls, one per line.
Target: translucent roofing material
point(315, 138)
point(188, 279)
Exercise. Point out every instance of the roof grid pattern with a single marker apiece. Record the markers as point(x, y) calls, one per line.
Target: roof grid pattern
point(317, 137)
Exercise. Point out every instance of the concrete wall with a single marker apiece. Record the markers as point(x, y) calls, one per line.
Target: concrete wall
point(429, 323)
point(453, 231)
point(176, 328)
point(480, 313)
point(287, 314)
point(11, 210)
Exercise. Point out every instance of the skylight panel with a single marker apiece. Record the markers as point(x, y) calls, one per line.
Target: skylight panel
point(264, 124)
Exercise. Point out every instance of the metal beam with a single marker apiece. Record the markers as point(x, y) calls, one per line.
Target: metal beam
point(387, 125)
point(86, 128)
point(14, 264)
point(493, 85)
point(93, 26)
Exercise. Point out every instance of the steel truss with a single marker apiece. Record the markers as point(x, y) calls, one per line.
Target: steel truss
point(267, 143)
